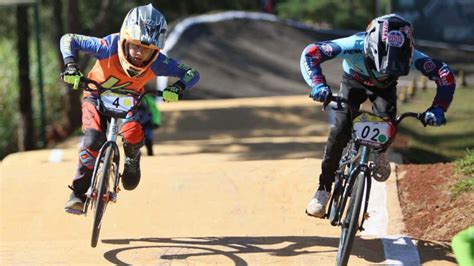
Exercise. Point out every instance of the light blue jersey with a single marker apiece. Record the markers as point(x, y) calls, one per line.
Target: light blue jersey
point(351, 51)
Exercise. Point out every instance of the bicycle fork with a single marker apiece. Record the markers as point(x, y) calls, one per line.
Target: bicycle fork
point(91, 193)
point(111, 138)
point(364, 168)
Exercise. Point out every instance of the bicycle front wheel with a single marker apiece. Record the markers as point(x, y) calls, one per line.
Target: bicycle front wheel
point(350, 224)
point(102, 192)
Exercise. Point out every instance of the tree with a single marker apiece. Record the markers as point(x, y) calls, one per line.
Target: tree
point(26, 130)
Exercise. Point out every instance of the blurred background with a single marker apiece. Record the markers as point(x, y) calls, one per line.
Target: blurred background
point(37, 109)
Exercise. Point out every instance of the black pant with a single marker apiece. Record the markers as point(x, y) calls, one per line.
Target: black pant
point(384, 103)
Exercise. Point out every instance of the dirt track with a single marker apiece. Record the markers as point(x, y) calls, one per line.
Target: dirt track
point(231, 198)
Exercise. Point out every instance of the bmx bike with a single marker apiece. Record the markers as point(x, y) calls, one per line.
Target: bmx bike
point(370, 133)
point(115, 104)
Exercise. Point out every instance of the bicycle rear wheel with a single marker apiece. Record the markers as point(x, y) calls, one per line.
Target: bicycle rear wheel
point(350, 224)
point(100, 201)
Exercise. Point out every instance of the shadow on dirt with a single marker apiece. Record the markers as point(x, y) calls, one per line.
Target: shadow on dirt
point(239, 122)
point(233, 248)
point(247, 132)
point(259, 151)
point(433, 251)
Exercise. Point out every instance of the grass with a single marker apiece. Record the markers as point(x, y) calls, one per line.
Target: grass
point(439, 144)
point(464, 168)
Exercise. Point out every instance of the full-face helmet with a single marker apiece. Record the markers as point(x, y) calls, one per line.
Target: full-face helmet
point(389, 45)
point(143, 30)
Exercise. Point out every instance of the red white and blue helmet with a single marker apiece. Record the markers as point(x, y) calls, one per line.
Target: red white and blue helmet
point(389, 45)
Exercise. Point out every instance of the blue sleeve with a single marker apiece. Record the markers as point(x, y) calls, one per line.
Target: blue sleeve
point(317, 53)
point(165, 66)
point(439, 72)
point(71, 44)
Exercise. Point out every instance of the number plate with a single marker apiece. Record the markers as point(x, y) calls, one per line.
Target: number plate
point(373, 130)
point(117, 102)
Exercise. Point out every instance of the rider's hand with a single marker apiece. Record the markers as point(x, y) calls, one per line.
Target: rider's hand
point(320, 92)
point(434, 116)
point(72, 75)
point(171, 94)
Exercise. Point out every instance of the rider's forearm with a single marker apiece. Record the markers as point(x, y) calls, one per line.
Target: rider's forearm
point(441, 74)
point(71, 44)
point(310, 65)
point(190, 78)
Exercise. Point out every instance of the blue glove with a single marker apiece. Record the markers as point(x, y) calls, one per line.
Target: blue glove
point(320, 92)
point(434, 116)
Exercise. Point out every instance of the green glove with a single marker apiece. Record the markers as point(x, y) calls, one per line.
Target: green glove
point(72, 75)
point(171, 94)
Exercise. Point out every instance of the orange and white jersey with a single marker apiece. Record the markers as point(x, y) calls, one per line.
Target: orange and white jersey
point(108, 70)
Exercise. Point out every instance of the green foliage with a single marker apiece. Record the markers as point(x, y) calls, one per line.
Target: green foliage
point(464, 168)
point(9, 98)
point(346, 14)
point(8, 25)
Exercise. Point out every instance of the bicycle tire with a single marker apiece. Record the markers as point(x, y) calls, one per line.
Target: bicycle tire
point(351, 221)
point(100, 204)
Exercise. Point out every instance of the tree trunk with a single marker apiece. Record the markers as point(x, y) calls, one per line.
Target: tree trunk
point(26, 129)
point(73, 97)
point(58, 29)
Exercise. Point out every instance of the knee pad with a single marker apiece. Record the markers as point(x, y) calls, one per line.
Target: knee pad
point(132, 132)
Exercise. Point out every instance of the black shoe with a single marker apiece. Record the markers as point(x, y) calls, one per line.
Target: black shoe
point(131, 173)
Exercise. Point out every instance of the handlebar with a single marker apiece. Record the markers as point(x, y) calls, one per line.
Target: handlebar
point(418, 116)
point(334, 98)
point(339, 100)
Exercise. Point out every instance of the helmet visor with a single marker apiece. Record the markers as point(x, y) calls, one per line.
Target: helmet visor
point(396, 62)
point(397, 54)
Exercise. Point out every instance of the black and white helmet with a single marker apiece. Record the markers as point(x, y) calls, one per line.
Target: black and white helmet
point(389, 45)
